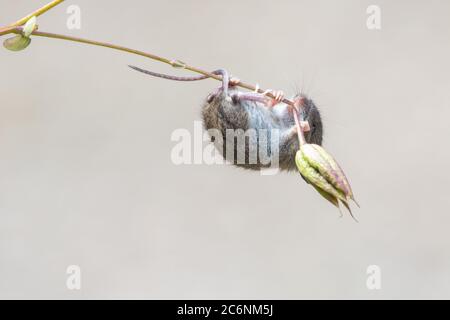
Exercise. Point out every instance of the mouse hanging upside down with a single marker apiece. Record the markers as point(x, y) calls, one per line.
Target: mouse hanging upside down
point(251, 130)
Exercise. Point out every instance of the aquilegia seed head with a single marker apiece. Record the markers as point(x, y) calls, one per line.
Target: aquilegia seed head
point(320, 169)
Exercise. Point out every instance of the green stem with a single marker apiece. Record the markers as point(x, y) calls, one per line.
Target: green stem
point(7, 30)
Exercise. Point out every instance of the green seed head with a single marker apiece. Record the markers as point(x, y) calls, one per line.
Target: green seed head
point(325, 164)
point(320, 169)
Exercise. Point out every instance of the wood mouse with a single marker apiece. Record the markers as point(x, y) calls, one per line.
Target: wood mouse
point(251, 130)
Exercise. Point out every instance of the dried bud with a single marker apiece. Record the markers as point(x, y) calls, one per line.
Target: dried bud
point(320, 169)
point(17, 43)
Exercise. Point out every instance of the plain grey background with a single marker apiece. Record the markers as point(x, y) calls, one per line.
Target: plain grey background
point(86, 176)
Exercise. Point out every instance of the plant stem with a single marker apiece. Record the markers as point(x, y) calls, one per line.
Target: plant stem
point(7, 30)
point(301, 136)
point(173, 63)
point(36, 13)
point(16, 28)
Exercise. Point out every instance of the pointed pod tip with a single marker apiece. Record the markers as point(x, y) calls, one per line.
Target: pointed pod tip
point(346, 205)
point(354, 200)
point(341, 214)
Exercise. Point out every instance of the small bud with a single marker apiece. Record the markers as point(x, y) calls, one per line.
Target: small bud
point(17, 43)
point(29, 27)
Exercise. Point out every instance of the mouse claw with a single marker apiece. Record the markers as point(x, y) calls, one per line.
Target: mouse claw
point(234, 81)
point(279, 96)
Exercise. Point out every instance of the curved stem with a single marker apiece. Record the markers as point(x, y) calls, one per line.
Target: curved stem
point(174, 63)
point(101, 44)
point(15, 28)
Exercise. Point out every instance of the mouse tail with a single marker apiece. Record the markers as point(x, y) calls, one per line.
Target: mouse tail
point(168, 77)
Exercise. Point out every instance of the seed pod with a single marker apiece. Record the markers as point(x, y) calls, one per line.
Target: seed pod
point(324, 174)
point(17, 43)
point(323, 162)
point(313, 176)
point(343, 184)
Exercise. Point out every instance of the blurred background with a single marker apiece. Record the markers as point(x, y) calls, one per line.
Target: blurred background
point(86, 176)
